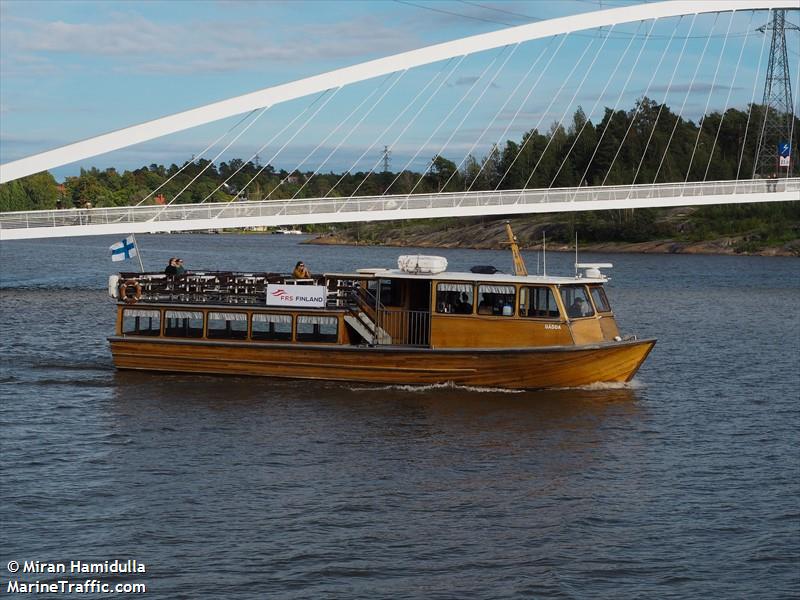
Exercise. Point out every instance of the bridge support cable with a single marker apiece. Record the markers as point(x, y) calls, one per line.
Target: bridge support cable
point(491, 123)
point(453, 109)
point(220, 153)
point(544, 113)
point(330, 134)
point(387, 129)
point(728, 98)
point(200, 155)
point(617, 103)
point(594, 107)
point(666, 95)
point(702, 120)
point(635, 115)
point(685, 99)
point(411, 122)
point(262, 148)
point(569, 105)
point(352, 129)
point(750, 106)
point(330, 96)
point(469, 112)
point(525, 100)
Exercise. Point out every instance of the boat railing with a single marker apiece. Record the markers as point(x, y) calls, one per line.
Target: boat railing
point(405, 327)
point(199, 287)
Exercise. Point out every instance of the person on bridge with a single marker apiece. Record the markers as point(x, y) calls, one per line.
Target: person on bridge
point(171, 269)
point(300, 271)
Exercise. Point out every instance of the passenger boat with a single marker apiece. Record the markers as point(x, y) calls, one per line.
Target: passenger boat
point(415, 324)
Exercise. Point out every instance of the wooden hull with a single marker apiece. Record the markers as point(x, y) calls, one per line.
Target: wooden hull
point(528, 368)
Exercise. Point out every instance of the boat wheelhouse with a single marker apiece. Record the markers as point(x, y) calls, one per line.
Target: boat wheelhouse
point(416, 324)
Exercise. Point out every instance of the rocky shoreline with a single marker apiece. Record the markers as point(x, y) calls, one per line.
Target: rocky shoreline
point(492, 236)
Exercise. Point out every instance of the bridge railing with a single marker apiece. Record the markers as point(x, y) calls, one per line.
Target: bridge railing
point(212, 212)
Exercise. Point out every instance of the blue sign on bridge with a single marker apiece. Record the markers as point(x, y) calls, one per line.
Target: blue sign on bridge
point(784, 148)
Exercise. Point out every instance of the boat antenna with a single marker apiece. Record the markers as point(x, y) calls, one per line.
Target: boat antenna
point(519, 264)
point(544, 254)
point(576, 254)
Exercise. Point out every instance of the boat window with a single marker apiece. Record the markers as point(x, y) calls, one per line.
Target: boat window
point(183, 323)
point(317, 329)
point(141, 322)
point(600, 299)
point(454, 298)
point(576, 301)
point(538, 302)
point(498, 300)
point(224, 325)
point(272, 327)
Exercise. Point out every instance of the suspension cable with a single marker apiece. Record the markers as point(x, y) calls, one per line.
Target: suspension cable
point(351, 130)
point(708, 102)
point(728, 98)
point(663, 102)
point(685, 98)
point(524, 100)
point(387, 129)
point(188, 162)
point(568, 106)
point(257, 152)
point(752, 101)
point(413, 120)
point(330, 134)
point(447, 117)
point(617, 103)
point(636, 114)
point(541, 118)
point(485, 89)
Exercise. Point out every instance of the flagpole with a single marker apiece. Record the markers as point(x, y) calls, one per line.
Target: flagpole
point(138, 252)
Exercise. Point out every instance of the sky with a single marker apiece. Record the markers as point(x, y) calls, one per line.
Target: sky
point(70, 70)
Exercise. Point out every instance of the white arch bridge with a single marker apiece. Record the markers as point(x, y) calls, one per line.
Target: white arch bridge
point(297, 211)
point(188, 217)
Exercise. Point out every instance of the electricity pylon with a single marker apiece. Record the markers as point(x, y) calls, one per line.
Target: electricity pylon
point(777, 102)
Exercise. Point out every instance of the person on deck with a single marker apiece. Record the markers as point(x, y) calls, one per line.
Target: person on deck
point(171, 269)
point(300, 271)
point(180, 269)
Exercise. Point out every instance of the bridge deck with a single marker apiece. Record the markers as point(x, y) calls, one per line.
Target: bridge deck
point(187, 217)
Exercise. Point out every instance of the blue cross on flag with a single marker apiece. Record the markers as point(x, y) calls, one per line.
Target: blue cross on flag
point(124, 250)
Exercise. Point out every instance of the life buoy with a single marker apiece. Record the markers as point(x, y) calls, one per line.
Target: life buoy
point(123, 291)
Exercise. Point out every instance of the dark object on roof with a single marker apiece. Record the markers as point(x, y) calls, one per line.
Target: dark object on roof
point(483, 269)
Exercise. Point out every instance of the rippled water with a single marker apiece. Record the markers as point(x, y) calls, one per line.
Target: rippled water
point(683, 484)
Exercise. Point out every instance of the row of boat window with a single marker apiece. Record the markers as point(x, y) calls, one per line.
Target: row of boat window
point(534, 301)
point(231, 325)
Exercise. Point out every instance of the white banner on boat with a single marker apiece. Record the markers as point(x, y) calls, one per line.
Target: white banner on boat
point(309, 296)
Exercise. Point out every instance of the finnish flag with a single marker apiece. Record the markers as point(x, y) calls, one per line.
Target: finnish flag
point(123, 250)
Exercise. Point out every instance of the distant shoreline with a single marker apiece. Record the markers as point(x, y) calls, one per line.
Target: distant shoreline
point(721, 247)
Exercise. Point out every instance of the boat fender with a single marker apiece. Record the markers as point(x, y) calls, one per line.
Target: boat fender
point(130, 298)
point(113, 286)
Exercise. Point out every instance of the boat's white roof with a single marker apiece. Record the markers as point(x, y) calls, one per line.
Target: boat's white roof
point(380, 273)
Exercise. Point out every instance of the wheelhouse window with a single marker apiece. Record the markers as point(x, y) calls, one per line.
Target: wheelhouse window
point(183, 323)
point(600, 299)
point(538, 302)
point(317, 329)
point(274, 328)
point(576, 301)
point(454, 298)
point(141, 322)
point(498, 300)
point(228, 326)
